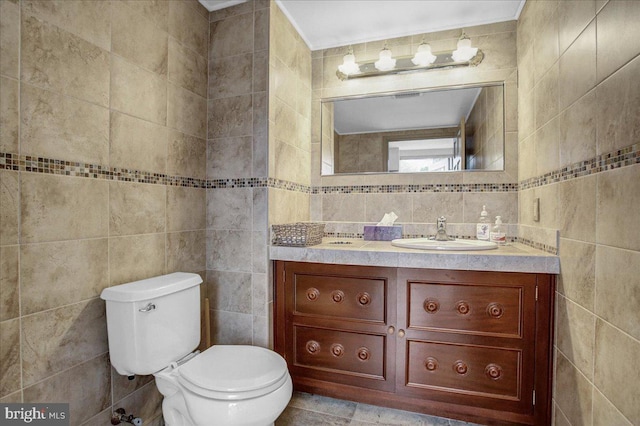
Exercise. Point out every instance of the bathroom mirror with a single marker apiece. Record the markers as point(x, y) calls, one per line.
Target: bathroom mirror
point(446, 129)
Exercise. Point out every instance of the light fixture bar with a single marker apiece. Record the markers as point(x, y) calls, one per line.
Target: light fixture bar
point(404, 64)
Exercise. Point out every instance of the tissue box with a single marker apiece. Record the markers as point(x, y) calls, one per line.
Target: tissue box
point(382, 233)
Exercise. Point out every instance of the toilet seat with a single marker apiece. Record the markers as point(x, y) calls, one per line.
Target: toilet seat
point(233, 372)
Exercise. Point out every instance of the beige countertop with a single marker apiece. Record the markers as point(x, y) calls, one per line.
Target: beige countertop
point(513, 257)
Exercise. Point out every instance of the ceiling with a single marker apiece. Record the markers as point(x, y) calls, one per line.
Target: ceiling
point(331, 23)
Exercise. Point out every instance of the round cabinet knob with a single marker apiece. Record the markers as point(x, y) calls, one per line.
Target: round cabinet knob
point(493, 371)
point(462, 308)
point(313, 294)
point(313, 347)
point(400, 333)
point(337, 350)
point(364, 354)
point(460, 367)
point(364, 298)
point(431, 364)
point(431, 306)
point(495, 310)
point(337, 296)
point(391, 330)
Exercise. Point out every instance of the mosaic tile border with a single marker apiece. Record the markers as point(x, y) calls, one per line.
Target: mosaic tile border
point(609, 161)
point(391, 189)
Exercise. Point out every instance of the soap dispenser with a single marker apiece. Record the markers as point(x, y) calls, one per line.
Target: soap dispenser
point(483, 226)
point(498, 235)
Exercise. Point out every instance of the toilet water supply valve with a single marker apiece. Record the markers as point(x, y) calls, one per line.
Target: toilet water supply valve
point(120, 416)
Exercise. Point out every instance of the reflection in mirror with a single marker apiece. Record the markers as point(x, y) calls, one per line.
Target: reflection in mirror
point(447, 129)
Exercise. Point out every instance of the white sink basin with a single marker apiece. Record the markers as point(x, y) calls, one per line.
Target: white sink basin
point(428, 244)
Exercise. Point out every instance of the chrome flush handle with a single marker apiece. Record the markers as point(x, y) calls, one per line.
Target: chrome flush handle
point(150, 307)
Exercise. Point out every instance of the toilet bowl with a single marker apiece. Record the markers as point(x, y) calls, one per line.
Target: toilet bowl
point(153, 326)
point(225, 385)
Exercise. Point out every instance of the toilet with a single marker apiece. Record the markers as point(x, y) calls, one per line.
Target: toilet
point(153, 328)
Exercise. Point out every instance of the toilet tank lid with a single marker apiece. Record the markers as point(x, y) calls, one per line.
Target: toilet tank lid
point(151, 288)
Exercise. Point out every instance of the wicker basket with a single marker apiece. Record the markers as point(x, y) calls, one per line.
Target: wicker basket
point(297, 234)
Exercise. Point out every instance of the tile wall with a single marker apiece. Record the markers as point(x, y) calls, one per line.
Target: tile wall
point(579, 140)
point(347, 202)
point(102, 181)
point(237, 155)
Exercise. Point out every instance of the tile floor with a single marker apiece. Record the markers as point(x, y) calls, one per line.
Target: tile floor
point(313, 410)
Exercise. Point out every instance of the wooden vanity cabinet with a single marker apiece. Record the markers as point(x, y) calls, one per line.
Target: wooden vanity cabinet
point(462, 344)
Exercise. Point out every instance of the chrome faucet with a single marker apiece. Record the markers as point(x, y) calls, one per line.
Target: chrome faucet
point(441, 234)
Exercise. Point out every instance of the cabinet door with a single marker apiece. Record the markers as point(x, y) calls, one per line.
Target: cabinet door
point(468, 338)
point(336, 323)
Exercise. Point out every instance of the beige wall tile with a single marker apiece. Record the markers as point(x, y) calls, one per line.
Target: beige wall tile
point(9, 114)
point(186, 251)
point(137, 144)
point(10, 38)
point(188, 26)
point(260, 257)
point(136, 208)
point(573, 17)
point(261, 26)
point(230, 291)
point(578, 68)
point(617, 197)
point(615, 376)
point(229, 157)
point(343, 207)
point(186, 208)
point(227, 12)
point(136, 257)
point(546, 98)
point(62, 208)
point(575, 335)
point(15, 397)
point(231, 328)
point(261, 71)
point(617, 282)
point(187, 68)
point(56, 274)
point(260, 208)
point(577, 280)
point(545, 43)
point(47, 337)
point(186, 156)
point(90, 20)
point(577, 209)
point(138, 92)
point(428, 206)
point(230, 117)
point(56, 60)
point(60, 127)
point(504, 204)
point(9, 207)
point(122, 386)
point(9, 357)
point(232, 36)
point(229, 250)
point(138, 39)
point(9, 285)
point(618, 100)
point(616, 47)
point(186, 111)
point(155, 10)
point(231, 76)
point(577, 125)
point(86, 387)
point(547, 147)
point(605, 413)
point(230, 208)
point(576, 404)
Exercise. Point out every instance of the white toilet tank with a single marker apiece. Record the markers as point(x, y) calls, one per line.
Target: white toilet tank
point(152, 322)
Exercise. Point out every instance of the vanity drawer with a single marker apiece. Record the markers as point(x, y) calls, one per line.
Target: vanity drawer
point(341, 297)
point(467, 308)
point(334, 351)
point(476, 370)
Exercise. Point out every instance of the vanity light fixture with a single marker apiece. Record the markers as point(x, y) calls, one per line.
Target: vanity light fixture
point(423, 60)
point(386, 61)
point(349, 65)
point(423, 56)
point(464, 52)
